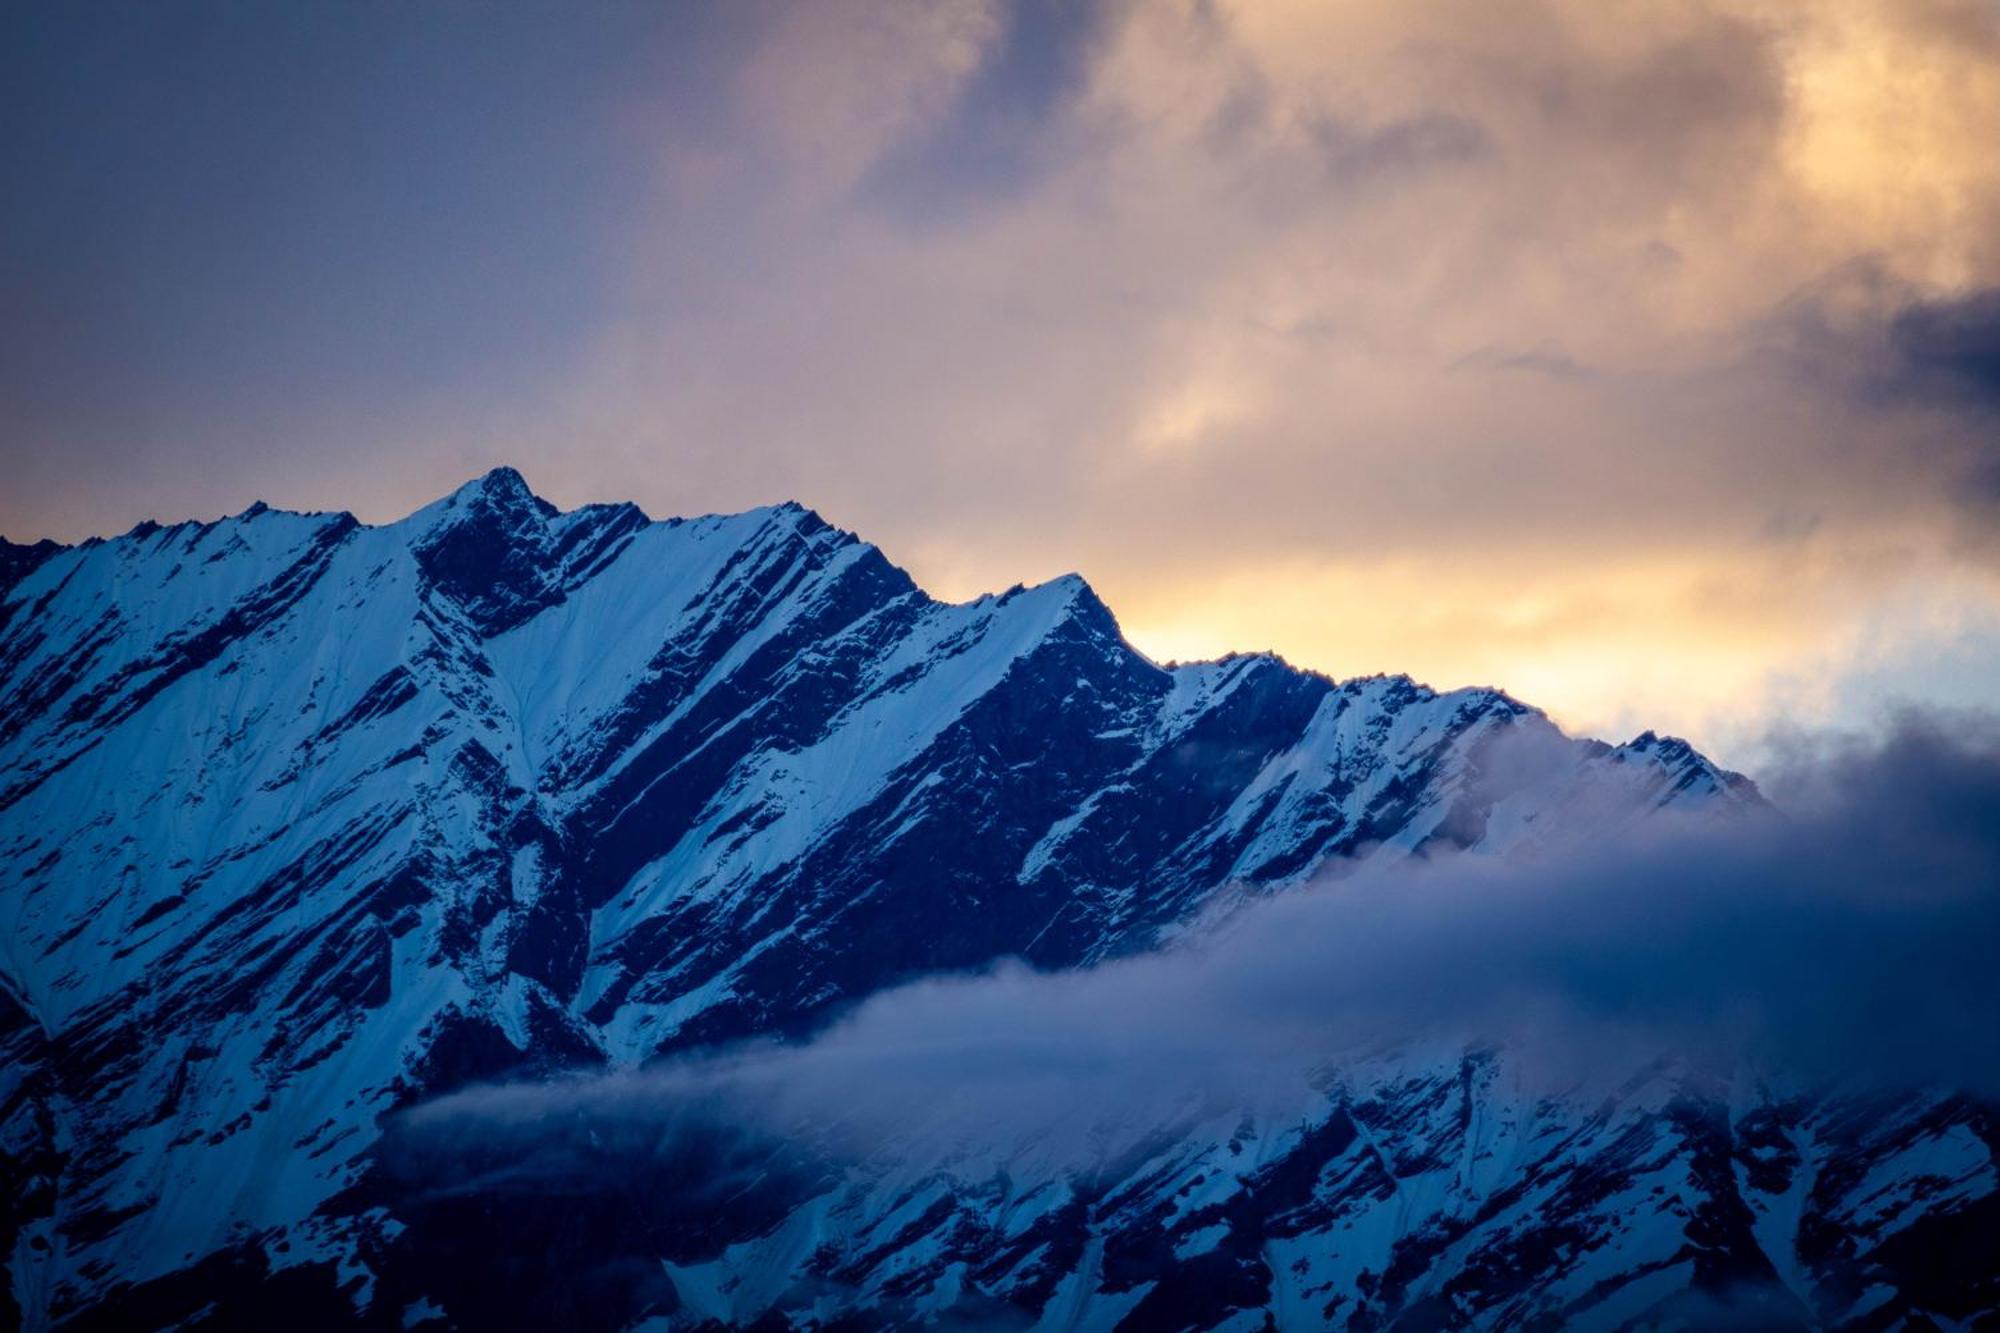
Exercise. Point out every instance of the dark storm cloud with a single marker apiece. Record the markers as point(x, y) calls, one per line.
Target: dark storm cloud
point(1861, 328)
point(1862, 335)
point(1848, 940)
point(1954, 341)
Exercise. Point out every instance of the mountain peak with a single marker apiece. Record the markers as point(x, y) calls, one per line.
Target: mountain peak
point(502, 486)
point(17, 561)
point(483, 546)
point(803, 519)
point(499, 497)
point(1086, 605)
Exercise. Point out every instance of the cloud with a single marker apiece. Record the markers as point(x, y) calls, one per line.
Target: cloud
point(1504, 309)
point(1257, 293)
point(1956, 337)
point(1845, 942)
point(991, 138)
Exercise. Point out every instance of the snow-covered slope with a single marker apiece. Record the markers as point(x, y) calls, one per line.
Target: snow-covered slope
point(1433, 1191)
point(302, 821)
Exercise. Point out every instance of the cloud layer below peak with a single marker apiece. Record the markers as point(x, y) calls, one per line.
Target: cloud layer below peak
point(1843, 944)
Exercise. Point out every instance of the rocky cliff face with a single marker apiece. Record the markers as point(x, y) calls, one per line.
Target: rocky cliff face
point(303, 821)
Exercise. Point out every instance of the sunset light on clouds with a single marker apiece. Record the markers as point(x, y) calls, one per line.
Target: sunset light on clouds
point(1640, 359)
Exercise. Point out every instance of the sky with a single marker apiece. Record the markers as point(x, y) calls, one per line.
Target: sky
point(1642, 359)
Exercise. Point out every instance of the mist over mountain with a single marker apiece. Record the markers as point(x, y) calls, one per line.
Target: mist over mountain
point(513, 914)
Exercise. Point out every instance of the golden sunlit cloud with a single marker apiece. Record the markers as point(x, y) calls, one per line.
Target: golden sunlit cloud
point(1721, 650)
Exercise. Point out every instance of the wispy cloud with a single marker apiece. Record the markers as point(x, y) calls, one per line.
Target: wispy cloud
point(1846, 942)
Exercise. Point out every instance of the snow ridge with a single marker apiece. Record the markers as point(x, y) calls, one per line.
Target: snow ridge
point(304, 820)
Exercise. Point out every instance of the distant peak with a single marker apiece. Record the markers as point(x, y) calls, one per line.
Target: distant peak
point(1068, 587)
point(504, 484)
point(1669, 748)
point(18, 561)
point(501, 490)
point(1080, 600)
point(803, 517)
point(1244, 659)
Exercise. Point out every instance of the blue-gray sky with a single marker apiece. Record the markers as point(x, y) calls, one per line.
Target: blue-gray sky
point(1643, 358)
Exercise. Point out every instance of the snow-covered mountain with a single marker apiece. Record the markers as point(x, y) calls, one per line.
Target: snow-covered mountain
point(303, 821)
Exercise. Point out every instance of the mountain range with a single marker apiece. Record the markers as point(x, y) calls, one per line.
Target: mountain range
point(305, 823)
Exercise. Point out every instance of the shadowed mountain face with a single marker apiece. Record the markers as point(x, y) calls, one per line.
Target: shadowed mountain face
point(304, 821)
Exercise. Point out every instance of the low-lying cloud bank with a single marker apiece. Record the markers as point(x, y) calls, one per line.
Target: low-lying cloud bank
point(1847, 936)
